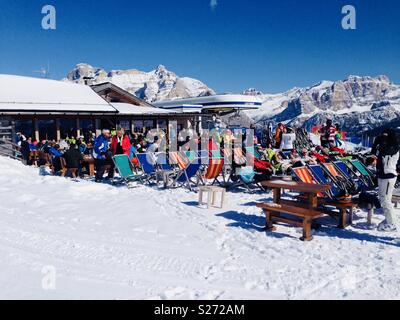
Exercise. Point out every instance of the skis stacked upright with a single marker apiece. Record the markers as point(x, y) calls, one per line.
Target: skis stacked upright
point(303, 140)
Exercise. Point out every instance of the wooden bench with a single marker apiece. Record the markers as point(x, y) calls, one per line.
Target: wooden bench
point(307, 216)
point(344, 208)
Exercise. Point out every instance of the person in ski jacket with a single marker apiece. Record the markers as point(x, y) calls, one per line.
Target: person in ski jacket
point(73, 157)
point(102, 157)
point(388, 152)
point(26, 151)
point(338, 136)
point(120, 143)
point(328, 134)
point(278, 135)
point(288, 140)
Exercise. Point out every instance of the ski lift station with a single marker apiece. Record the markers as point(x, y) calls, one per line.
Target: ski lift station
point(51, 110)
point(223, 103)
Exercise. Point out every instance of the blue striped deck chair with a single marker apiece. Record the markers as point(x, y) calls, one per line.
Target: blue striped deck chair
point(320, 176)
point(352, 174)
point(149, 170)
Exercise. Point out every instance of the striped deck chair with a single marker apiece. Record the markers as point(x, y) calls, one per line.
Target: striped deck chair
point(214, 171)
point(349, 172)
point(343, 180)
point(304, 175)
point(239, 157)
point(321, 177)
point(176, 158)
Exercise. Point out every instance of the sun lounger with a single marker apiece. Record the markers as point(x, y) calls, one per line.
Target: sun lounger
point(125, 169)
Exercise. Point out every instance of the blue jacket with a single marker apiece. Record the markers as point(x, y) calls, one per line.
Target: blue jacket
point(55, 152)
point(101, 146)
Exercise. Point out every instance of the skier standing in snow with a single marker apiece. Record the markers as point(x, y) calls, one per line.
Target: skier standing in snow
point(101, 155)
point(387, 149)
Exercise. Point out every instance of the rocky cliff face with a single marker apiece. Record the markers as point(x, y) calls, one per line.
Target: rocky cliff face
point(358, 104)
point(156, 85)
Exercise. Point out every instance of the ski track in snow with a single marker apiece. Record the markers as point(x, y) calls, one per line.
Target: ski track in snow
point(109, 242)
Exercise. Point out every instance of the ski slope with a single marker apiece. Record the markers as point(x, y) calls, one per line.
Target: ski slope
point(109, 242)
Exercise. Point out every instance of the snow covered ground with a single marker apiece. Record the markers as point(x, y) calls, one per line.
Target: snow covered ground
point(109, 242)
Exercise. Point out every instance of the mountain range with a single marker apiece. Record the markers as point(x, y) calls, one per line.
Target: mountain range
point(357, 104)
point(156, 85)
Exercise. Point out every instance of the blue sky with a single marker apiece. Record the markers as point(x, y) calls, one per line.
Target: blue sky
point(230, 45)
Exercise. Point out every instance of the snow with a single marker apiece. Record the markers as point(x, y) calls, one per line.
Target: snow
point(130, 109)
point(25, 93)
point(109, 242)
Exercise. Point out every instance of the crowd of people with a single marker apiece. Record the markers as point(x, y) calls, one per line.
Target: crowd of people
point(279, 152)
point(71, 156)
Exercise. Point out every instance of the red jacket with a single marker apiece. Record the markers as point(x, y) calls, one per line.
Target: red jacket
point(126, 144)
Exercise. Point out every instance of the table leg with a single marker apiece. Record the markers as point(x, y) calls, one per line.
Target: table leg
point(269, 225)
point(277, 195)
point(307, 230)
point(342, 218)
point(313, 200)
point(91, 169)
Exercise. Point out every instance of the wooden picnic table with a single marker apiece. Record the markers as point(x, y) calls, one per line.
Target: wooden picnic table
point(312, 190)
point(307, 212)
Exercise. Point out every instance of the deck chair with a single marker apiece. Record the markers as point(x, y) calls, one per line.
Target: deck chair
point(366, 175)
point(322, 178)
point(351, 173)
point(186, 175)
point(342, 180)
point(238, 156)
point(245, 177)
point(214, 171)
point(178, 159)
point(149, 169)
point(125, 169)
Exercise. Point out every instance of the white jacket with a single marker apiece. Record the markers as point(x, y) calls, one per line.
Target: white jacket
point(390, 163)
point(288, 140)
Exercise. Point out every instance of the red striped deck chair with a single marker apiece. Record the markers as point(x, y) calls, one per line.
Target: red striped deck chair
point(332, 170)
point(304, 175)
point(179, 159)
point(214, 170)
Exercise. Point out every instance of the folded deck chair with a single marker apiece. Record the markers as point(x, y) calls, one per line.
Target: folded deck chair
point(320, 175)
point(366, 175)
point(342, 180)
point(351, 173)
point(215, 170)
point(304, 174)
point(148, 168)
point(125, 169)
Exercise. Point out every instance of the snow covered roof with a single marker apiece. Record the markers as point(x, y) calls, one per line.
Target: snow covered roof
point(25, 94)
point(130, 109)
point(220, 102)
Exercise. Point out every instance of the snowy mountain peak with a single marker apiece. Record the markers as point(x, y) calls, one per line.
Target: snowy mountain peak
point(156, 85)
point(357, 103)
